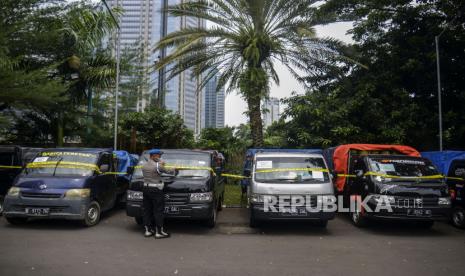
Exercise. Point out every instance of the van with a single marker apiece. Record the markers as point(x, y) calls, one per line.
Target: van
point(65, 183)
point(282, 179)
point(394, 182)
point(196, 193)
point(452, 165)
point(12, 161)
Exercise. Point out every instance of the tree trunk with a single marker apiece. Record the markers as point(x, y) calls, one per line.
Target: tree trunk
point(256, 124)
point(60, 130)
point(133, 146)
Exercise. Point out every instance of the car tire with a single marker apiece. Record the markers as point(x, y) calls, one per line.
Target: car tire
point(16, 221)
point(426, 224)
point(458, 217)
point(211, 222)
point(92, 214)
point(358, 219)
point(2, 199)
point(253, 222)
point(139, 220)
point(321, 223)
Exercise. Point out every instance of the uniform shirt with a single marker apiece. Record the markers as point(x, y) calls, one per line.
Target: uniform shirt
point(152, 172)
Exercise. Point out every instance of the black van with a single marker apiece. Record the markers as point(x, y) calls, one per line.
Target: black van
point(194, 194)
point(12, 160)
point(410, 185)
point(66, 183)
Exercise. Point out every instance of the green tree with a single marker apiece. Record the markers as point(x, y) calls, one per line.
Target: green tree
point(247, 37)
point(155, 127)
point(394, 100)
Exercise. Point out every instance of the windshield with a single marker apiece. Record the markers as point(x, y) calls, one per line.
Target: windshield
point(200, 164)
point(62, 163)
point(291, 170)
point(403, 167)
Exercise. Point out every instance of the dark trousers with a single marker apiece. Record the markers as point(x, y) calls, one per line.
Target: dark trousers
point(154, 207)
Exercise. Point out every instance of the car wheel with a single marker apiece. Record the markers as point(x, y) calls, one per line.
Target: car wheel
point(321, 223)
point(16, 221)
point(253, 222)
point(211, 222)
point(458, 217)
point(139, 220)
point(358, 219)
point(92, 215)
point(426, 224)
point(2, 199)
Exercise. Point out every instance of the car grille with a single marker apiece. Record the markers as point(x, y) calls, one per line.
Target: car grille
point(40, 195)
point(419, 201)
point(176, 199)
point(288, 200)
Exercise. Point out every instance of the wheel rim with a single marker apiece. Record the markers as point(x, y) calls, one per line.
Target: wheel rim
point(355, 217)
point(1, 206)
point(458, 218)
point(92, 214)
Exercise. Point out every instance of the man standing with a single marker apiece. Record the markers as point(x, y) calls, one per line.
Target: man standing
point(154, 197)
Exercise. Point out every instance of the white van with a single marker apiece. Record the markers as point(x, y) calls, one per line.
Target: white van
point(290, 186)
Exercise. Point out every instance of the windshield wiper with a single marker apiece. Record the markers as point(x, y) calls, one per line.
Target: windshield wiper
point(56, 166)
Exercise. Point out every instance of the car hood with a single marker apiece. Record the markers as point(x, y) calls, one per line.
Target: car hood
point(50, 183)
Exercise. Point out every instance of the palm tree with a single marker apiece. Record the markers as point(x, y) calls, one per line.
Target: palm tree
point(245, 40)
point(86, 64)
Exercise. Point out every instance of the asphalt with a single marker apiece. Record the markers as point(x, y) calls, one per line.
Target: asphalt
point(116, 247)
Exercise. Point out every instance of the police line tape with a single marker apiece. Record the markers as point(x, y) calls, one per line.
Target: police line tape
point(81, 165)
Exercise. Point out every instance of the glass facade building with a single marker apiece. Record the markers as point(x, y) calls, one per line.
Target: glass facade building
point(271, 111)
point(214, 104)
point(144, 22)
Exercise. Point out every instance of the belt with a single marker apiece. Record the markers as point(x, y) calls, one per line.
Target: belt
point(154, 185)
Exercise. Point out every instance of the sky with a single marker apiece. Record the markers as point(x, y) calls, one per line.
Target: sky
point(235, 105)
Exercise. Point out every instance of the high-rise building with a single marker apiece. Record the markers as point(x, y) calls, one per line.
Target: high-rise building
point(144, 22)
point(214, 104)
point(271, 111)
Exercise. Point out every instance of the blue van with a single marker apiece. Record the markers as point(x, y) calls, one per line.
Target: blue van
point(66, 183)
point(452, 165)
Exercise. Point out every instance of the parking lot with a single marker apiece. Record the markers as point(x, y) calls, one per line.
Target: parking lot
point(116, 247)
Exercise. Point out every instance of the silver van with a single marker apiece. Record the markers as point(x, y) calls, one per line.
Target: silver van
point(290, 186)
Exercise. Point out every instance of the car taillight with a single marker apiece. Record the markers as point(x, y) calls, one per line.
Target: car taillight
point(452, 194)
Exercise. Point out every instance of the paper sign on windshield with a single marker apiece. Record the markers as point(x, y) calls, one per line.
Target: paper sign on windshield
point(386, 167)
point(268, 164)
point(317, 175)
point(40, 159)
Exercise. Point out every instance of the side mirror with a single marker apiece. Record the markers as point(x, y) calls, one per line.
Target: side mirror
point(104, 168)
point(359, 173)
point(333, 174)
point(130, 170)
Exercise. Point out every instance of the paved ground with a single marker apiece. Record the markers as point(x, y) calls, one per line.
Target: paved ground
point(116, 247)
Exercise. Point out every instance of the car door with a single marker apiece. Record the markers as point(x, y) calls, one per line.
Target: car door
point(105, 182)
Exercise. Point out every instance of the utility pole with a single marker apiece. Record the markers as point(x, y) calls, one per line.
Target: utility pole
point(161, 72)
point(438, 70)
point(118, 32)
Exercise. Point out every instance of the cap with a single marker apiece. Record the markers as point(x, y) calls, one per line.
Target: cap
point(155, 151)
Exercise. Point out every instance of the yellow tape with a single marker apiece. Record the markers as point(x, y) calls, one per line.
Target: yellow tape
point(234, 176)
point(10, 167)
point(70, 165)
point(291, 169)
point(455, 178)
point(438, 176)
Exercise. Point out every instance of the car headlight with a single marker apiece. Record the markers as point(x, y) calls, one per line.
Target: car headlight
point(257, 198)
point(135, 195)
point(77, 193)
point(444, 201)
point(201, 197)
point(378, 199)
point(14, 191)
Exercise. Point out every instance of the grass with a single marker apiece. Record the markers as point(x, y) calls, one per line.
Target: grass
point(232, 195)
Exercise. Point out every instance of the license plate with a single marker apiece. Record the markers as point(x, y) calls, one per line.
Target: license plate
point(37, 211)
point(172, 210)
point(295, 212)
point(419, 213)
